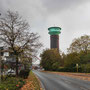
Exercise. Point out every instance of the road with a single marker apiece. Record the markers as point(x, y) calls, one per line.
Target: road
point(51, 81)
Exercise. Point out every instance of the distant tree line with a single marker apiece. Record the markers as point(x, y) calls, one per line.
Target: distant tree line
point(78, 53)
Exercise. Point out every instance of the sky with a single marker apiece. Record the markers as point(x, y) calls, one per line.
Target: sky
point(73, 16)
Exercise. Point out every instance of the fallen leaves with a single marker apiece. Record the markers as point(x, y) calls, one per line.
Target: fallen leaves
point(82, 76)
point(32, 83)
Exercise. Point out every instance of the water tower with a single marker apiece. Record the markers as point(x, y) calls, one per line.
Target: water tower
point(54, 37)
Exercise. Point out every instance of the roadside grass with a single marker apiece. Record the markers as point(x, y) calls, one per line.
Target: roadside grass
point(32, 83)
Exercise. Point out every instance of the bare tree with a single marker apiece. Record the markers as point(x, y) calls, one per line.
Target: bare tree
point(26, 60)
point(15, 35)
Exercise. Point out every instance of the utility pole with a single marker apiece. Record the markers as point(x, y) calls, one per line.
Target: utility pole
point(0, 69)
point(0, 63)
point(0, 66)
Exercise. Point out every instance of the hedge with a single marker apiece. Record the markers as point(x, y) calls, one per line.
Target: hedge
point(12, 83)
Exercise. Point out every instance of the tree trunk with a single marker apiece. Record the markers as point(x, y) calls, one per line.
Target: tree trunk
point(2, 68)
point(24, 67)
point(16, 66)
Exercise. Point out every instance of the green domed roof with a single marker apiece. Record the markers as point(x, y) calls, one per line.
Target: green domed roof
point(54, 30)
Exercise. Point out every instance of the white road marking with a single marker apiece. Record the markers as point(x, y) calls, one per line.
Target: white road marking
point(68, 82)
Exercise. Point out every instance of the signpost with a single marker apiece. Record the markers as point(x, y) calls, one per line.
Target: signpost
point(77, 67)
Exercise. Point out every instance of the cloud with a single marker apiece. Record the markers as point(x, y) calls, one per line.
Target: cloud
point(55, 6)
point(74, 23)
point(32, 10)
point(73, 16)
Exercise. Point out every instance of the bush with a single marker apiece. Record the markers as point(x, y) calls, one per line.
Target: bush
point(24, 73)
point(12, 83)
point(85, 68)
point(69, 69)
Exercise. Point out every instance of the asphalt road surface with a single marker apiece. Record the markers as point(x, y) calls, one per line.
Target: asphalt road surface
point(58, 82)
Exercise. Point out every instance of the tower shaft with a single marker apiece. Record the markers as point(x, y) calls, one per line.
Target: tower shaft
point(54, 41)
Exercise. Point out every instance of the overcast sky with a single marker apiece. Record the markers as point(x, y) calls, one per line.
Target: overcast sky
point(73, 16)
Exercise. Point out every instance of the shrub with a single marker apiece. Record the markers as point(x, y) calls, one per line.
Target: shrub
point(24, 73)
point(85, 68)
point(69, 69)
point(12, 83)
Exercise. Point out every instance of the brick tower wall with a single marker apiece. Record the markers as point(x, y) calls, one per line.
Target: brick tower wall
point(54, 41)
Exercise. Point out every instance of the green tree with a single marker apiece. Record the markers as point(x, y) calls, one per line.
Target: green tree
point(84, 58)
point(64, 57)
point(51, 59)
point(71, 60)
point(80, 44)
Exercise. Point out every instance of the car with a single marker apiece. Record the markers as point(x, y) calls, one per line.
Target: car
point(10, 72)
